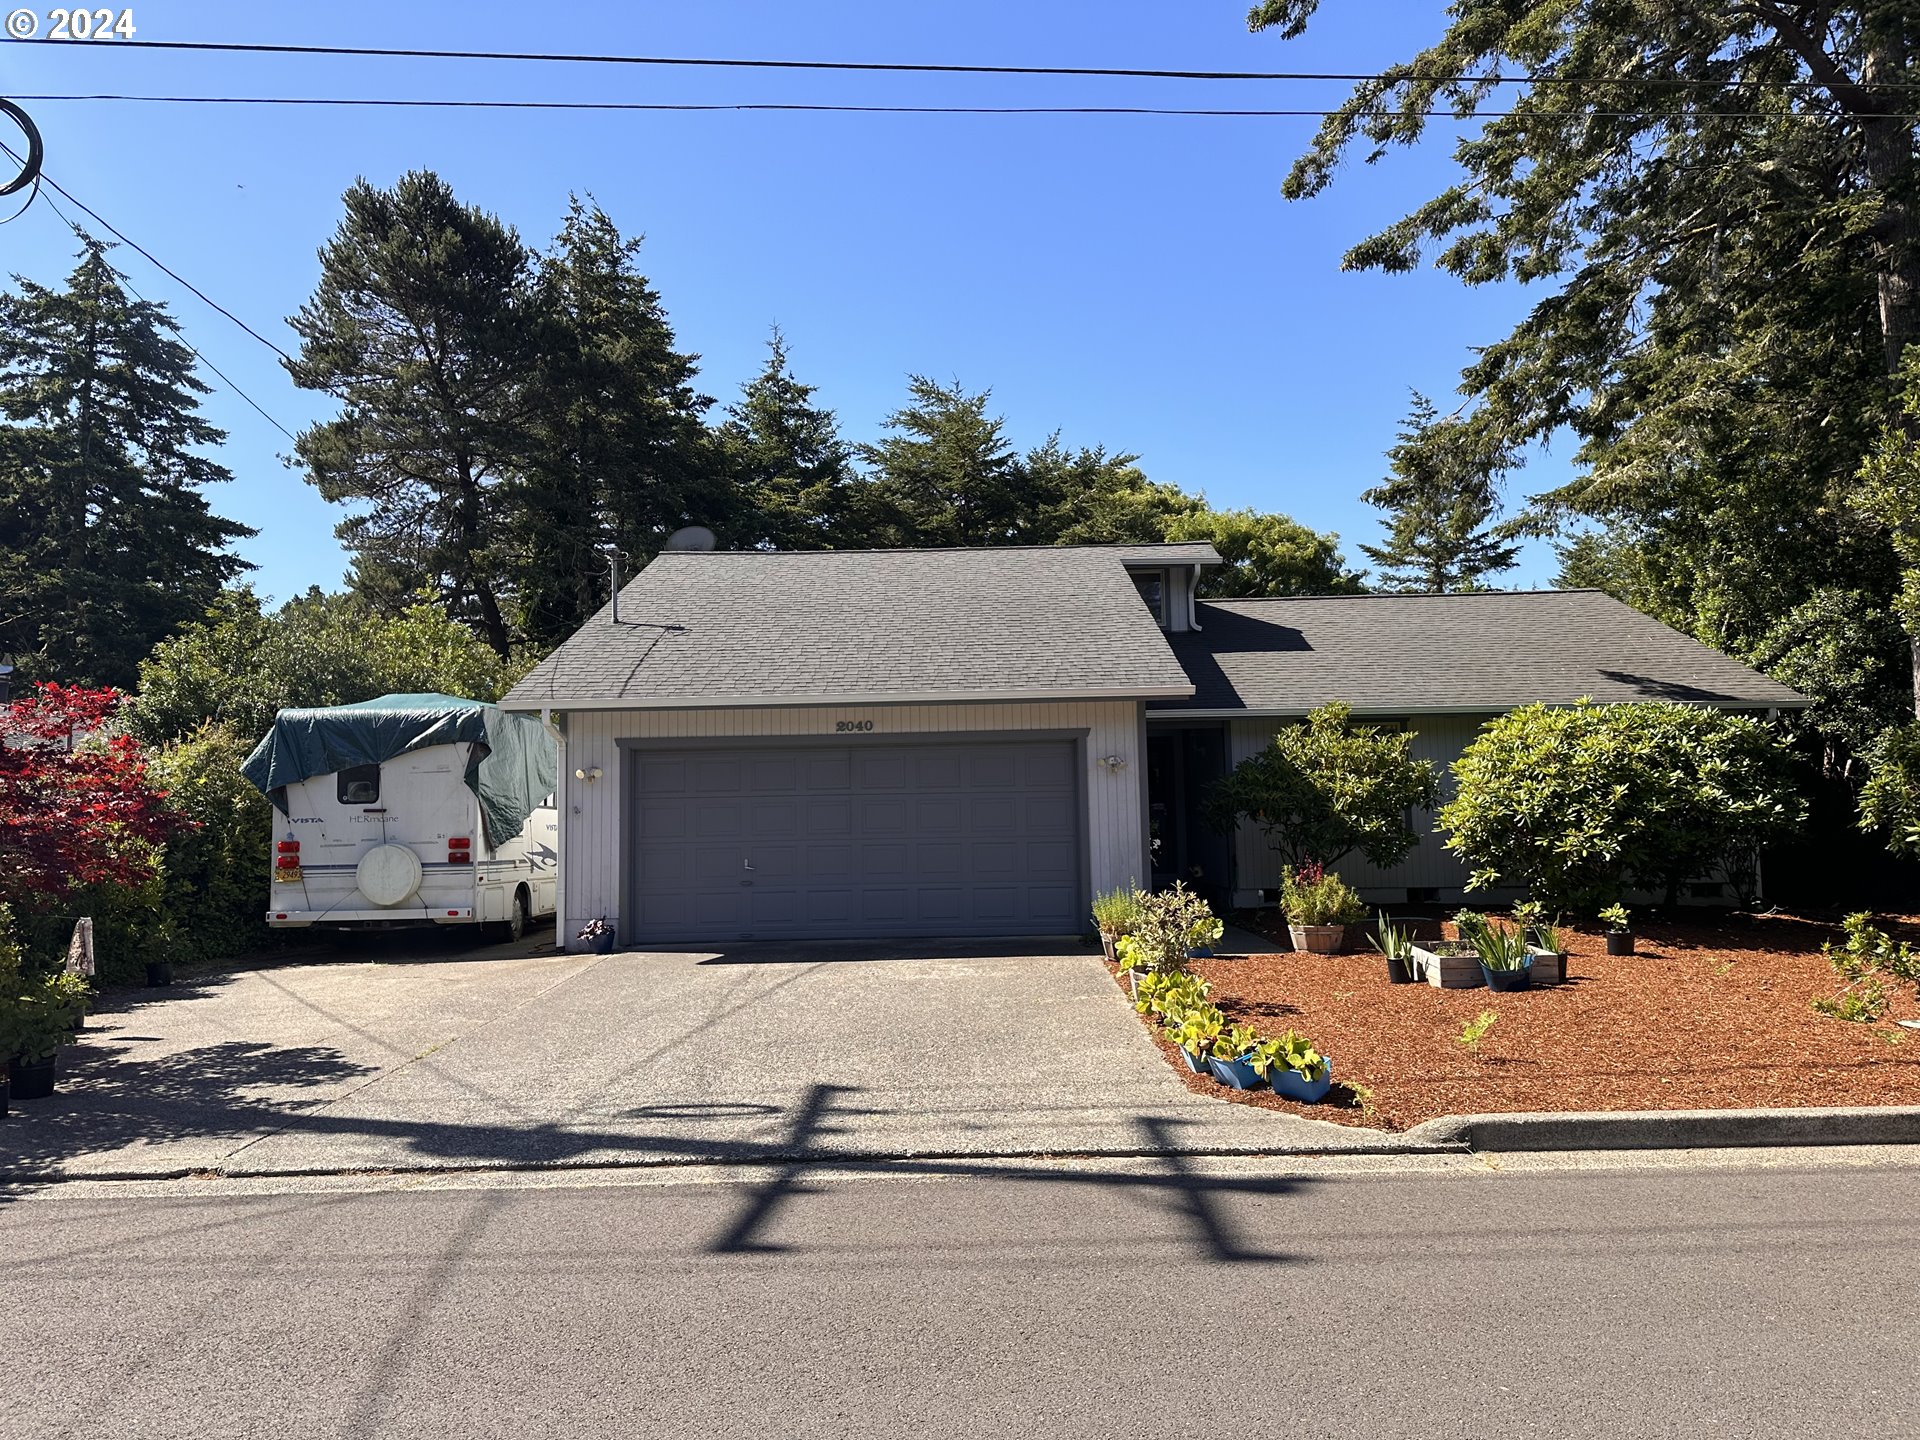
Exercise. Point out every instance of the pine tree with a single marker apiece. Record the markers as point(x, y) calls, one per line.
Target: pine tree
point(1440, 503)
point(946, 476)
point(110, 544)
point(787, 459)
point(1718, 209)
point(421, 328)
point(616, 451)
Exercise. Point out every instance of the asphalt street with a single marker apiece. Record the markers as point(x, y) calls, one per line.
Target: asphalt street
point(1735, 1294)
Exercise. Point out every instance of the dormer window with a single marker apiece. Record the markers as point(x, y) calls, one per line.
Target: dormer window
point(1152, 585)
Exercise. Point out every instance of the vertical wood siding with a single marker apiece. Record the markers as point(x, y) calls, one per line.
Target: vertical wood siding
point(593, 846)
point(1437, 738)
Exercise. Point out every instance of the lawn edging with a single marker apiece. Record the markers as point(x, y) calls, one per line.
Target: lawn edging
point(1674, 1129)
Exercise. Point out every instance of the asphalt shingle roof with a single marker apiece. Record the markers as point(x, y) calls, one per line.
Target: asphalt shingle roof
point(1404, 654)
point(732, 628)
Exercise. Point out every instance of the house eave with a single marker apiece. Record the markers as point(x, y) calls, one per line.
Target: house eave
point(767, 702)
point(1395, 712)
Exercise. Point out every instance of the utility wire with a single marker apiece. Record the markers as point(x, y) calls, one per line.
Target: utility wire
point(896, 67)
point(222, 375)
point(699, 107)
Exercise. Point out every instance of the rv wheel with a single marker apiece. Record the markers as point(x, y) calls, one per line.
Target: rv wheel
point(516, 924)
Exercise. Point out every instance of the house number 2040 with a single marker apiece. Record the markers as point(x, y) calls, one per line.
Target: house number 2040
point(853, 724)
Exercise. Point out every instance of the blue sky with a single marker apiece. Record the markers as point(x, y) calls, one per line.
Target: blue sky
point(1133, 282)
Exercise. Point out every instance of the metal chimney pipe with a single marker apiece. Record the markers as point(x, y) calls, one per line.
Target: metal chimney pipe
point(613, 560)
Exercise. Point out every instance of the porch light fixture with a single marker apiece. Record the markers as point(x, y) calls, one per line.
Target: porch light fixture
point(587, 775)
point(1113, 762)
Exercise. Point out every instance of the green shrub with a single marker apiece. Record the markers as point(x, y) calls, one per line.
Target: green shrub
point(1115, 912)
point(1165, 927)
point(1311, 896)
point(1326, 788)
point(214, 875)
point(1575, 803)
point(1866, 961)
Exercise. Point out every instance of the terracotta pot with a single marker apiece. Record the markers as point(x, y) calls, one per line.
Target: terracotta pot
point(1319, 939)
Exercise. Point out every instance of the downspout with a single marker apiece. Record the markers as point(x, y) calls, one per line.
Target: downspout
point(1193, 587)
point(561, 806)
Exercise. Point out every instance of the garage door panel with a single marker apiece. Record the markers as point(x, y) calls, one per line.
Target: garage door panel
point(951, 837)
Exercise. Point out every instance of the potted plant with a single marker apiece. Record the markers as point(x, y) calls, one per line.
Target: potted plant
point(597, 936)
point(1319, 907)
point(1293, 1067)
point(1506, 961)
point(1169, 993)
point(1114, 914)
point(1195, 1030)
point(1165, 929)
point(1396, 943)
point(40, 1017)
point(1229, 1061)
point(1619, 929)
point(1549, 954)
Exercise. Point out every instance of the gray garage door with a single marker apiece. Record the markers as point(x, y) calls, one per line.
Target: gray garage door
point(836, 842)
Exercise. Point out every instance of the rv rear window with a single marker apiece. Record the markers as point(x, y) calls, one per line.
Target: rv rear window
point(358, 786)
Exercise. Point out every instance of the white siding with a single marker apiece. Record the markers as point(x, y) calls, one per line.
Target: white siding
point(1438, 738)
point(591, 812)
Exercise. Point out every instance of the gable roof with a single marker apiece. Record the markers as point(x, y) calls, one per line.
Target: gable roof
point(863, 626)
point(1468, 654)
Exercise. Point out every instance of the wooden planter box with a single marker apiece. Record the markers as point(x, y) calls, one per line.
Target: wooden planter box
point(1445, 971)
point(1549, 966)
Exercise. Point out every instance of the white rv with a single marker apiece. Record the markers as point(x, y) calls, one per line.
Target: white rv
point(409, 810)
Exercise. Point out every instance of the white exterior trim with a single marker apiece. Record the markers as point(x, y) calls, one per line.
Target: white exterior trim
point(910, 697)
point(591, 811)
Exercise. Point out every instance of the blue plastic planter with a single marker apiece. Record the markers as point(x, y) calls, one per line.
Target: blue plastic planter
point(1295, 1086)
point(1194, 1062)
point(1200, 952)
point(1505, 980)
point(1237, 1073)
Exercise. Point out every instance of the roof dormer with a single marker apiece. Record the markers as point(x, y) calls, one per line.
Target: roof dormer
point(1166, 577)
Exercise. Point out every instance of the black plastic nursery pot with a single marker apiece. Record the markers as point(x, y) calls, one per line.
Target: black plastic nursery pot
point(1508, 980)
point(31, 1080)
point(1619, 942)
point(159, 973)
point(1403, 972)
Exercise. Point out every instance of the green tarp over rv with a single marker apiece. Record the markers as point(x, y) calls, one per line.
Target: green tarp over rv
point(510, 758)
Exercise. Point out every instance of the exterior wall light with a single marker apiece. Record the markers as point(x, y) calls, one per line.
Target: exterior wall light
point(588, 775)
point(1113, 762)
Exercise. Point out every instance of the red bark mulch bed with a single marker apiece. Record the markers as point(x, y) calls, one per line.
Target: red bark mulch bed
point(1708, 1014)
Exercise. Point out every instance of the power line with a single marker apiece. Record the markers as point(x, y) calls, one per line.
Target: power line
point(694, 107)
point(908, 68)
point(222, 375)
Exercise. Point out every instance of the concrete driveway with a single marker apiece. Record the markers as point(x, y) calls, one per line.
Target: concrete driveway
point(510, 1058)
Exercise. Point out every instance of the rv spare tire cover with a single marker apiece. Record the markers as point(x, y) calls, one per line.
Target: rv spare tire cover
point(388, 874)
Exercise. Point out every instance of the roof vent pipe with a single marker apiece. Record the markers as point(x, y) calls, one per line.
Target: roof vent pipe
point(613, 561)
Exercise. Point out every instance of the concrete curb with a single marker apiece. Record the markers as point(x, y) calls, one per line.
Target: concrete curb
point(1675, 1129)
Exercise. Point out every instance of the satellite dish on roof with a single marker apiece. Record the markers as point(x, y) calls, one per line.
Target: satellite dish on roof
point(692, 537)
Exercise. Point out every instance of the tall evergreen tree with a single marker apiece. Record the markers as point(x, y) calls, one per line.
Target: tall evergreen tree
point(1088, 497)
point(616, 452)
point(421, 328)
point(785, 455)
point(946, 476)
point(1723, 202)
point(1440, 503)
point(109, 542)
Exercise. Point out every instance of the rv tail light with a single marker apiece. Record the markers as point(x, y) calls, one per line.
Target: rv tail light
point(460, 850)
point(288, 847)
point(287, 862)
point(280, 915)
point(459, 842)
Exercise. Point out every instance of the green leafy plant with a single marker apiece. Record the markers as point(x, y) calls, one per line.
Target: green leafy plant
point(1469, 923)
point(1325, 788)
point(1115, 912)
point(1166, 926)
point(38, 1014)
point(1501, 947)
point(1291, 1051)
point(1860, 1005)
point(1235, 1042)
point(1168, 993)
point(1616, 918)
point(1869, 958)
point(1550, 938)
point(1476, 1030)
point(1574, 802)
point(1313, 896)
point(1197, 1028)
